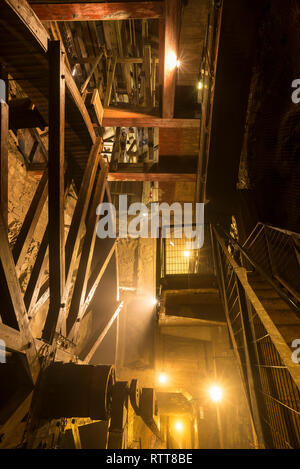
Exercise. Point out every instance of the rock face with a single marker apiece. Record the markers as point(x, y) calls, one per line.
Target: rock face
point(22, 185)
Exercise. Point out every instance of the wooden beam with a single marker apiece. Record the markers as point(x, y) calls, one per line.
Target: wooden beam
point(37, 273)
point(56, 189)
point(160, 177)
point(13, 290)
point(80, 287)
point(110, 79)
point(78, 220)
point(93, 283)
point(31, 219)
point(82, 11)
point(98, 337)
point(170, 56)
point(85, 84)
point(12, 338)
point(121, 118)
point(4, 161)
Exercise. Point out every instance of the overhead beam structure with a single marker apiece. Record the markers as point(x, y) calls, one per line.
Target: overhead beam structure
point(170, 56)
point(121, 118)
point(95, 11)
point(160, 177)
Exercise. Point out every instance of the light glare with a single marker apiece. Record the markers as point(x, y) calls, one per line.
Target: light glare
point(215, 393)
point(179, 426)
point(162, 378)
point(171, 60)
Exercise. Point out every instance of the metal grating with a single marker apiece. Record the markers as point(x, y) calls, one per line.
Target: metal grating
point(178, 256)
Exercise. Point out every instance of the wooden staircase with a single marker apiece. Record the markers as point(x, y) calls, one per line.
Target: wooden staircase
point(281, 314)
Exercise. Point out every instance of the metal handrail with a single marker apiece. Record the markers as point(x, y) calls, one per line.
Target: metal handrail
point(274, 228)
point(294, 305)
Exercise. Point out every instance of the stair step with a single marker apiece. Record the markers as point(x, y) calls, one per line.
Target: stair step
point(274, 304)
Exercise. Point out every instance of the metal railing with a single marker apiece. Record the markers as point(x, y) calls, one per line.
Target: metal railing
point(278, 253)
point(271, 378)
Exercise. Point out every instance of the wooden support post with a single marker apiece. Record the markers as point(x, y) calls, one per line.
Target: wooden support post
point(79, 216)
point(95, 11)
point(110, 79)
point(4, 161)
point(147, 71)
point(56, 189)
point(80, 287)
point(76, 436)
point(94, 343)
point(34, 284)
point(85, 84)
point(11, 289)
point(93, 283)
point(32, 217)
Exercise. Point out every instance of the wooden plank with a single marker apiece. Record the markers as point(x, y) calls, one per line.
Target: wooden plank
point(95, 278)
point(110, 79)
point(85, 84)
point(34, 284)
point(120, 60)
point(4, 161)
point(147, 71)
point(10, 425)
point(121, 118)
point(170, 56)
point(160, 177)
point(78, 220)
point(82, 11)
point(56, 189)
point(16, 298)
point(31, 219)
point(76, 436)
point(80, 287)
point(93, 344)
point(12, 337)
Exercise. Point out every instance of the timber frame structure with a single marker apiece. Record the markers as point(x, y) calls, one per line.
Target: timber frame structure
point(38, 62)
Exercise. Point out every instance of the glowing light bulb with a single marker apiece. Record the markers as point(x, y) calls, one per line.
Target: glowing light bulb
point(162, 378)
point(215, 393)
point(178, 426)
point(186, 253)
point(200, 85)
point(171, 61)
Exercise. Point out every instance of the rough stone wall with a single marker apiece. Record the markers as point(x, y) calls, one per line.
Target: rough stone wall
point(22, 185)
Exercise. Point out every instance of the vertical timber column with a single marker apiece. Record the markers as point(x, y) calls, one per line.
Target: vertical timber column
point(56, 189)
point(3, 146)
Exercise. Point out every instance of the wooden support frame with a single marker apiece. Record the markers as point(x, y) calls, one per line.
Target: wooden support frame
point(98, 337)
point(79, 292)
point(31, 220)
point(79, 216)
point(4, 160)
point(121, 118)
point(19, 339)
point(93, 283)
point(16, 298)
point(160, 177)
point(56, 189)
point(110, 79)
point(95, 11)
